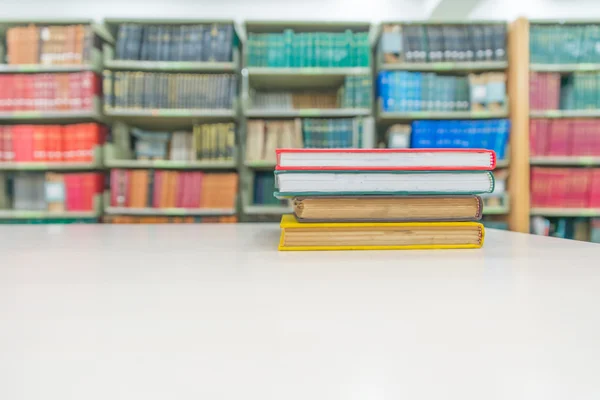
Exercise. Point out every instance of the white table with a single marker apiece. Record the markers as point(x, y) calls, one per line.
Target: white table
point(213, 312)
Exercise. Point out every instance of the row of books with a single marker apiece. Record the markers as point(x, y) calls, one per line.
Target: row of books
point(206, 142)
point(436, 43)
point(490, 134)
point(172, 189)
point(416, 91)
point(564, 137)
point(49, 92)
point(50, 143)
point(49, 45)
point(308, 49)
point(50, 191)
point(198, 42)
point(565, 187)
point(551, 91)
point(151, 90)
point(564, 43)
point(263, 137)
point(585, 229)
point(263, 189)
point(288, 100)
point(129, 219)
point(356, 92)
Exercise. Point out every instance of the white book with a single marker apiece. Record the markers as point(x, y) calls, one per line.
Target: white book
point(298, 183)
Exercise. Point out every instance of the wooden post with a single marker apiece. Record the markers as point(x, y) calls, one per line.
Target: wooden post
point(518, 91)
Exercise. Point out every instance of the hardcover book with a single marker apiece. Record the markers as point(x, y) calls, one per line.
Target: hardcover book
point(379, 235)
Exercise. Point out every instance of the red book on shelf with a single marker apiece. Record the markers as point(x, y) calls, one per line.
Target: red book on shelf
point(385, 159)
point(69, 191)
point(594, 137)
point(3, 130)
point(8, 145)
point(594, 195)
point(560, 140)
point(179, 189)
point(39, 143)
point(193, 195)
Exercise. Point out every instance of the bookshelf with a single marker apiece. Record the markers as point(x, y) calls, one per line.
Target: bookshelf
point(187, 70)
point(295, 87)
point(40, 182)
point(557, 179)
point(430, 72)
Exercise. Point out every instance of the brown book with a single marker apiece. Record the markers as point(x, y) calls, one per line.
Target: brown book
point(387, 208)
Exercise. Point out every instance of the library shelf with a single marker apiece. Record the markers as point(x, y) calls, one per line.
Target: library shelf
point(52, 116)
point(309, 112)
point(98, 28)
point(566, 68)
point(565, 114)
point(171, 164)
point(483, 66)
point(303, 71)
point(586, 161)
point(25, 214)
point(170, 211)
point(48, 166)
point(565, 212)
point(170, 113)
point(414, 115)
point(260, 165)
point(94, 65)
point(171, 66)
point(259, 209)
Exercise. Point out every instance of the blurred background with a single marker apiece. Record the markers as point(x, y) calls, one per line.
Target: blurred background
point(171, 111)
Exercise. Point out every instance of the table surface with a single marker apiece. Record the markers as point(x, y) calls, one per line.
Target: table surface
point(155, 312)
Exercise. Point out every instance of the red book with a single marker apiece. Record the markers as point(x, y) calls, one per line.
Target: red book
point(114, 184)
point(385, 159)
point(88, 191)
point(68, 144)
point(69, 191)
point(3, 130)
point(179, 188)
point(158, 182)
point(560, 140)
point(39, 144)
point(594, 197)
point(90, 87)
point(8, 146)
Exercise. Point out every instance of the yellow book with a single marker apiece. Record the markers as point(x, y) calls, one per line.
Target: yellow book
point(379, 235)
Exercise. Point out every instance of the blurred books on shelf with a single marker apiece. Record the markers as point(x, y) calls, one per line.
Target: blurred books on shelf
point(49, 91)
point(565, 188)
point(172, 189)
point(401, 91)
point(50, 44)
point(308, 49)
point(564, 43)
point(51, 191)
point(586, 229)
point(414, 42)
point(576, 91)
point(175, 42)
point(50, 143)
point(134, 219)
point(263, 137)
point(485, 134)
point(156, 90)
point(398, 136)
point(264, 187)
point(356, 92)
point(564, 137)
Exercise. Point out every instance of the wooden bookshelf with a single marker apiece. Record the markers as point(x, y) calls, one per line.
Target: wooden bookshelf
point(290, 79)
point(523, 68)
point(518, 92)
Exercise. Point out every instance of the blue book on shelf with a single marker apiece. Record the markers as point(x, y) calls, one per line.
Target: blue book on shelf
point(502, 134)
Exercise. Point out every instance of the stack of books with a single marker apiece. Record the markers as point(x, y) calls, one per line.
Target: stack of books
point(379, 199)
